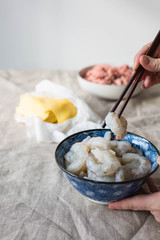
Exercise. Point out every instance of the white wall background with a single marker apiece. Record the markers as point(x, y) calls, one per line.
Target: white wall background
point(71, 34)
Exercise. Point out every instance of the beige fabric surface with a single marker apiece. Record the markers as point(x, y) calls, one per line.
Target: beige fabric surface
point(36, 200)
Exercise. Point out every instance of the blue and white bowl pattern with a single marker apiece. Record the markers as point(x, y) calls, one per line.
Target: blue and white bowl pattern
point(105, 192)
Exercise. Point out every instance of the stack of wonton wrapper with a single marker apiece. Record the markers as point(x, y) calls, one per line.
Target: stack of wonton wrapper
point(53, 112)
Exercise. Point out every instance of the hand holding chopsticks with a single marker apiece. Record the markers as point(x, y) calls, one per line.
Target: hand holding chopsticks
point(135, 79)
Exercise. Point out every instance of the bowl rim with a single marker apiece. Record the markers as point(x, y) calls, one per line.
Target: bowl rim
point(99, 84)
point(103, 182)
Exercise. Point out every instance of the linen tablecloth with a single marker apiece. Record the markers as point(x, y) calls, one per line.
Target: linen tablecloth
point(36, 200)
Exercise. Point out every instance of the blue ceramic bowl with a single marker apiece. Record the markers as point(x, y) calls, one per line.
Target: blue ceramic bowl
point(105, 192)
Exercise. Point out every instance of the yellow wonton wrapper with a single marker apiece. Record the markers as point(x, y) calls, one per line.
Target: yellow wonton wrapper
point(46, 108)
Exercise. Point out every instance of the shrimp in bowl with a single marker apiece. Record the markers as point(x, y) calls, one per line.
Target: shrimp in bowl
point(107, 172)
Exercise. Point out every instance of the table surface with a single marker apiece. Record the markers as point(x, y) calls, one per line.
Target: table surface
point(36, 200)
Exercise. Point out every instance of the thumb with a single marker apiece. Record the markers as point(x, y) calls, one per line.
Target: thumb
point(150, 64)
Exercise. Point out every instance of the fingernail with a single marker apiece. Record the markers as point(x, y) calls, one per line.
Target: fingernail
point(146, 60)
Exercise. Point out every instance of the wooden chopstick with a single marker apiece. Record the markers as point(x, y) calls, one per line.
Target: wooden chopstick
point(136, 76)
point(126, 88)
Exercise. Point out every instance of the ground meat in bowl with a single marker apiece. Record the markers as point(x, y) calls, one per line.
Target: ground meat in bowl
point(105, 74)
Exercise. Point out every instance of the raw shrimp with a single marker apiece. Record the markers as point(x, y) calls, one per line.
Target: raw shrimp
point(98, 142)
point(77, 157)
point(117, 125)
point(107, 136)
point(86, 139)
point(100, 159)
point(122, 174)
point(121, 147)
point(138, 165)
point(93, 176)
point(102, 162)
point(82, 174)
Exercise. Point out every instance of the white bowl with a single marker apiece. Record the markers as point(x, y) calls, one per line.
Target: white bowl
point(111, 92)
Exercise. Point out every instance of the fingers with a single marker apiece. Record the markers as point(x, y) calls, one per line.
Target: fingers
point(147, 82)
point(152, 65)
point(139, 202)
point(152, 185)
point(156, 214)
point(150, 79)
point(149, 63)
point(141, 52)
point(158, 160)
